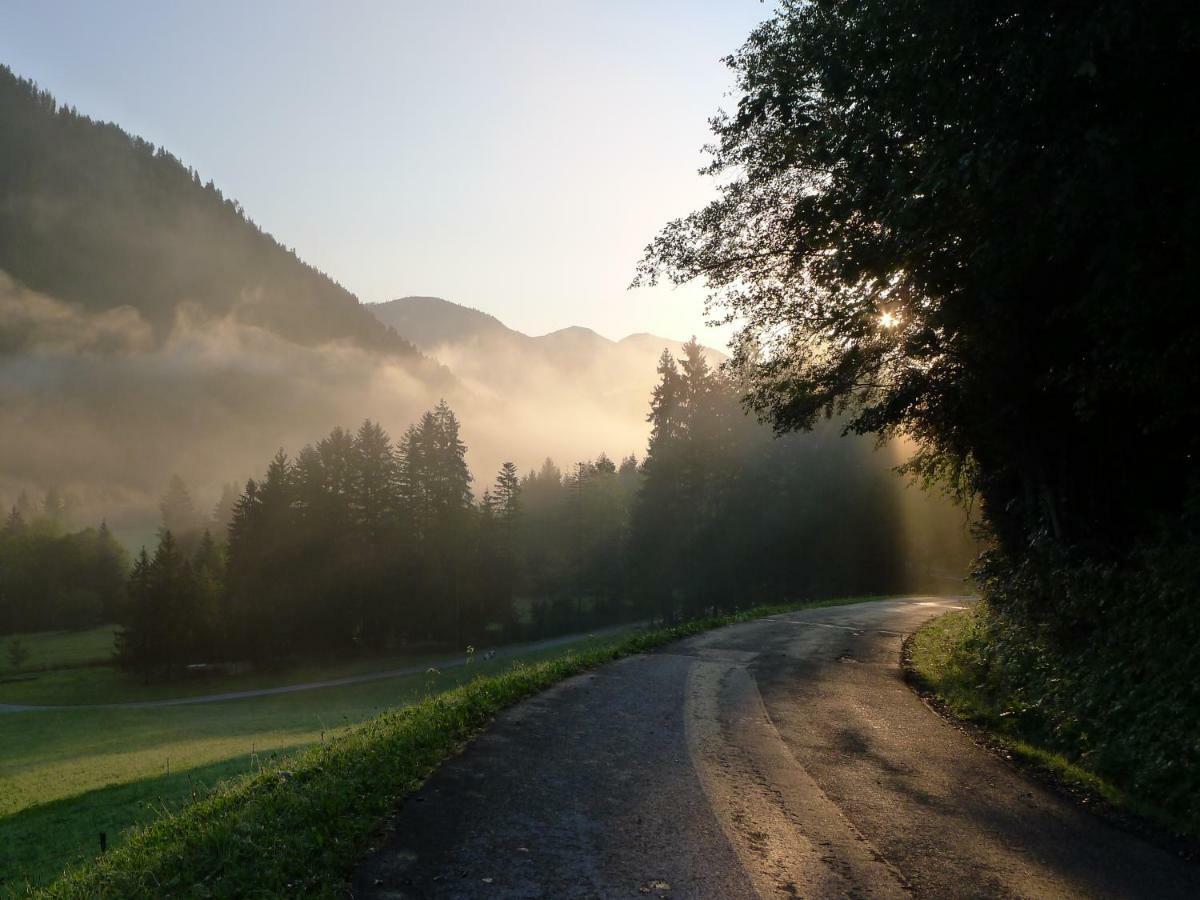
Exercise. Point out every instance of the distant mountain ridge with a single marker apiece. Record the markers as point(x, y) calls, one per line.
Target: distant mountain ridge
point(433, 322)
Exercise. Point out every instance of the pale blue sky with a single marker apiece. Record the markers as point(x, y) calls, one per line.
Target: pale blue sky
point(514, 156)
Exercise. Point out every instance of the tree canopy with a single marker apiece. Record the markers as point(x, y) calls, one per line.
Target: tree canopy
point(969, 223)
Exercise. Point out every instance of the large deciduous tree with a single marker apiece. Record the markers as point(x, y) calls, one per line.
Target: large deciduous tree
point(970, 223)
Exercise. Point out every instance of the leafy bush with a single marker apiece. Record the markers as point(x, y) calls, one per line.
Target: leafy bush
point(1096, 662)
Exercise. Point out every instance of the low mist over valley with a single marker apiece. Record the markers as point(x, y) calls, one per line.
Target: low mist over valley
point(148, 328)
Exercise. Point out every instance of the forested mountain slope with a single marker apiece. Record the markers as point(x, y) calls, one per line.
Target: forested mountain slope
point(149, 327)
point(94, 216)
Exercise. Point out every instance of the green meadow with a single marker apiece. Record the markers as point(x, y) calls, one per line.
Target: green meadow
point(66, 775)
point(58, 650)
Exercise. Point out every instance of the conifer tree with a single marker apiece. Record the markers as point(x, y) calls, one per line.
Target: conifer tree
point(507, 492)
point(222, 513)
point(179, 515)
point(137, 640)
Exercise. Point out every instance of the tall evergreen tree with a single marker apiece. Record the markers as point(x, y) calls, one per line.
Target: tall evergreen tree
point(179, 515)
point(138, 641)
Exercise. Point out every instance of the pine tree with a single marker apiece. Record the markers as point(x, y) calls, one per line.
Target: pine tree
point(172, 604)
point(452, 478)
point(244, 572)
point(137, 639)
point(208, 570)
point(506, 502)
point(179, 515)
point(109, 572)
point(222, 514)
point(14, 523)
point(24, 508)
point(507, 492)
point(53, 507)
point(374, 483)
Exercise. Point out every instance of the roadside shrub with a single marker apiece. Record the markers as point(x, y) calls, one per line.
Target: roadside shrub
point(1099, 662)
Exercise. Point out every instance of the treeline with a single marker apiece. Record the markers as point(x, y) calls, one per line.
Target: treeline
point(364, 544)
point(52, 577)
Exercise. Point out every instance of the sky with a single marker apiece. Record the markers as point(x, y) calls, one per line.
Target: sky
point(512, 156)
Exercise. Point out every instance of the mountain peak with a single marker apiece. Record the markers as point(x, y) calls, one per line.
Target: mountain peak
point(432, 321)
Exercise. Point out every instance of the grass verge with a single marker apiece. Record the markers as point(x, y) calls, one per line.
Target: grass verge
point(946, 661)
point(297, 827)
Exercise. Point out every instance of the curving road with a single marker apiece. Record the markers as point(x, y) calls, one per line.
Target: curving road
point(779, 758)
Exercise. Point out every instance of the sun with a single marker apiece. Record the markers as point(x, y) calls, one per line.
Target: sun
point(889, 320)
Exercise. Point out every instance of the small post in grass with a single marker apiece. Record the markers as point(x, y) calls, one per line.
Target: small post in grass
point(103, 842)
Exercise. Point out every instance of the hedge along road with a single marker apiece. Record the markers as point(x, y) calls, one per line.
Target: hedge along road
point(504, 652)
point(777, 758)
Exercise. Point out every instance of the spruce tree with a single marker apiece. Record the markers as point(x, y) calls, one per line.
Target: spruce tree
point(179, 515)
point(137, 640)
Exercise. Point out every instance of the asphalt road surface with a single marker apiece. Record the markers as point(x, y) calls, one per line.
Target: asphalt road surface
point(778, 758)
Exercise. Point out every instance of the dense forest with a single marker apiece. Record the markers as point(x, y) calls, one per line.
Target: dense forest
point(970, 224)
point(362, 544)
point(53, 578)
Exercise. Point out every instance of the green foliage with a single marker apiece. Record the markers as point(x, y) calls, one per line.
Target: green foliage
point(360, 545)
point(1113, 714)
point(52, 578)
point(727, 511)
point(970, 224)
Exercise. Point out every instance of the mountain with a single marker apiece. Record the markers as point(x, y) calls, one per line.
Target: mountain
point(432, 321)
point(442, 328)
point(98, 218)
point(148, 326)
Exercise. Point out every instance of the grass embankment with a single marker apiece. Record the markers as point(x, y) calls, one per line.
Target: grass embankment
point(950, 658)
point(296, 826)
point(67, 775)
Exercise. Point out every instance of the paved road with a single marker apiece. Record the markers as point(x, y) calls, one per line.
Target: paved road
point(452, 662)
point(780, 758)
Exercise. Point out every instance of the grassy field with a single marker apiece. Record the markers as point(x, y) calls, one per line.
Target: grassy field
point(67, 775)
point(106, 684)
point(162, 783)
point(60, 650)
